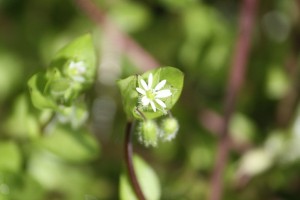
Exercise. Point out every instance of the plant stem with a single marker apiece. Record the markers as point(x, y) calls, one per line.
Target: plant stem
point(129, 164)
point(142, 114)
point(234, 84)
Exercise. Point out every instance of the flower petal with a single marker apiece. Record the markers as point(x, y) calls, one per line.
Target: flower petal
point(150, 80)
point(141, 91)
point(161, 103)
point(153, 106)
point(144, 84)
point(163, 94)
point(160, 85)
point(145, 101)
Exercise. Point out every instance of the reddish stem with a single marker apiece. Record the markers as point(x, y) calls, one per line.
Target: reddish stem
point(234, 84)
point(141, 58)
point(129, 164)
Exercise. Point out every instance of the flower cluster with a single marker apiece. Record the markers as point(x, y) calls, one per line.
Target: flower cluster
point(149, 131)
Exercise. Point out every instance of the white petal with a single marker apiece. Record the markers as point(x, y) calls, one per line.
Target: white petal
point(163, 94)
point(73, 64)
point(153, 106)
point(160, 85)
point(145, 101)
point(141, 91)
point(150, 80)
point(144, 84)
point(161, 103)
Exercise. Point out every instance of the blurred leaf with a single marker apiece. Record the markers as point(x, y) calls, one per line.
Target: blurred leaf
point(147, 178)
point(255, 162)
point(277, 144)
point(277, 83)
point(21, 122)
point(71, 182)
point(179, 4)
point(130, 16)
point(242, 129)
point(27, 188)
point(197, 23)
point(9, 182)
point(11, 72)
point(36, 87)
point(10, 159)
point(71, 145)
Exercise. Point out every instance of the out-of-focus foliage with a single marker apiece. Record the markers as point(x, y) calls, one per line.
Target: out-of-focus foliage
point(46, 154)
point(147, 178)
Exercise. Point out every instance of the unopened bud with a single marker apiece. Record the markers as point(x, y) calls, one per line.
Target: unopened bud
point(169, 128)
point(148, 133)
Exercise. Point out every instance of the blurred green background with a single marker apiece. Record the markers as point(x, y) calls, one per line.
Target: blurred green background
point(197, 37)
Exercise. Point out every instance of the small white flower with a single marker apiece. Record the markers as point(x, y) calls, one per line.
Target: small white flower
point(152, 95)
point(76, 71)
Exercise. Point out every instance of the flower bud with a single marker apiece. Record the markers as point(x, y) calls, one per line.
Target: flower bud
point(76, 114)
point(148, 133)
point(169, 128)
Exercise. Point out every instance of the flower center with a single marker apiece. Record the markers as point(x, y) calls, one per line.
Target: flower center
point(150, 94)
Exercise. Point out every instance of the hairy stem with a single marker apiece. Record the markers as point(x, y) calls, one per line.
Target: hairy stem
point(129, 164)
point(235, 82)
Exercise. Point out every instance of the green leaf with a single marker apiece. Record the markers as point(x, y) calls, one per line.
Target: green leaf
point(36, 86)
point(80, 50)
point(277, 83)
point(21, 122)
point(71, 145)
point(129, 95)
point(130, 16)
point(11, 74)
point(147, 178)
point(10, 159)
point(174, 82)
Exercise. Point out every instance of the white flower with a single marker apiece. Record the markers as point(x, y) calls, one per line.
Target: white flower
point(76, 71)
point(152, 95)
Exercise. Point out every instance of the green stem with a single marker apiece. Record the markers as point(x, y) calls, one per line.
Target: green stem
point(142, 114)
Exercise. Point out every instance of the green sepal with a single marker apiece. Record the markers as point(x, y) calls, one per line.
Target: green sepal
point(148, 133)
